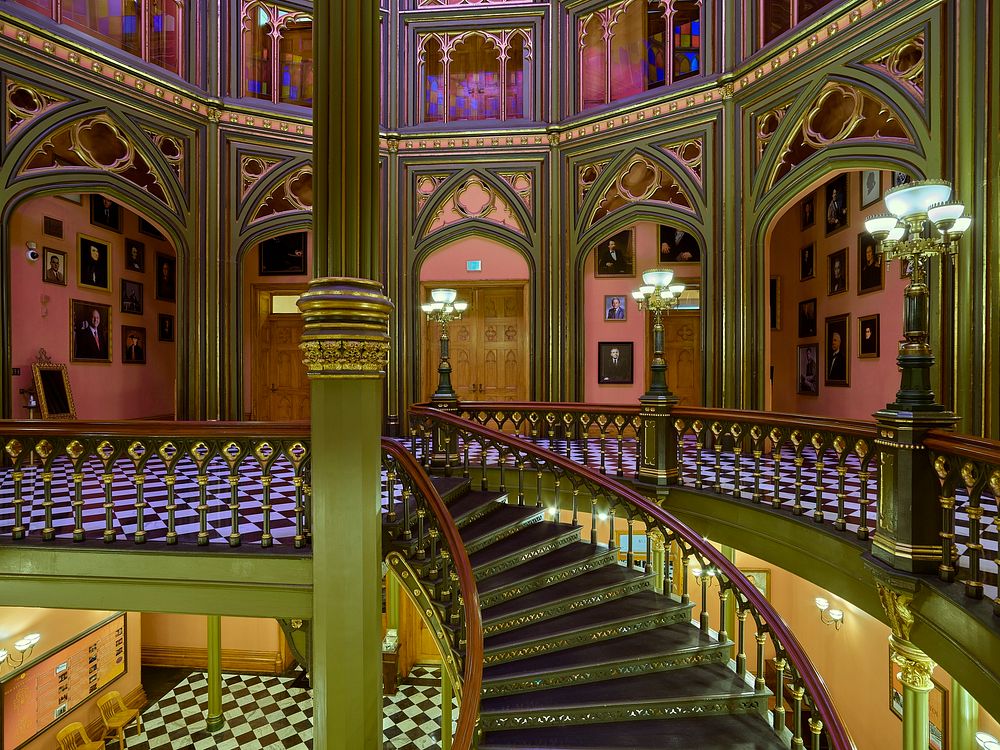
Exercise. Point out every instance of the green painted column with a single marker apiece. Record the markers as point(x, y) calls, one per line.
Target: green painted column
point(963, 718)
point(915, 675)
point(215, 720)
point(345, 347)
point(445, 709)
point(345, 138)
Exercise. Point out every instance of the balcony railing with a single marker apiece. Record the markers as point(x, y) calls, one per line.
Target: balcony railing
point(822, 469)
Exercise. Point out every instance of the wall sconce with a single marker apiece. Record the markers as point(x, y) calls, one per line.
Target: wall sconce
point(23, 648)
point(706, 576)
point(987, 741)
point(827, 615)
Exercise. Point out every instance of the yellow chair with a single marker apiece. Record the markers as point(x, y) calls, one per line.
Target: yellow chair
point(73, 737)
point(117, 716)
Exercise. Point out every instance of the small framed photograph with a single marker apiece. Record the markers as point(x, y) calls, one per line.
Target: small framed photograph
point(760, 578)
point(807, 370)
point(615, 307)
point(678, 246)
point(615, 257)
point(868, 336)
point(836, 214)
point(807, 262)
point(284, 255)
point(614, 362)
point(871, 187)
point(52, 227)
point(807, 318)
point(774, 302)
point(133, 345)
point(131, 297)
point(900, 178)
point(135, 256)
point(640, 546)
point(166, 278)
point(94, 264)
point(871, 270)
point(90, 331)
point(807, 210)
point(165, 327)
point(836, 272)
point(105, 213)
point(838, 362)
point(53, 266)
point(55, 397)
point(149, 230)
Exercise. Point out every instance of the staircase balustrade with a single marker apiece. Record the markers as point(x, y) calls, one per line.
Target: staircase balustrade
point(192, 482)
point(491, 456)
point(823, 469)
point(436, 573)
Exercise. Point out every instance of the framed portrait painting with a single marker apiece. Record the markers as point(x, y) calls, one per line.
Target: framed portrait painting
point(871, 187)
point(835, 211)
point(53, 266)
point(807, 318)
point(678, 246)
point(615, 257)
point(90, 331)
point(149, 230)
point(807, 370)
point(93, 263)
point(165, 327)
point(615, 307)
point(871, 270)
point(284, 255)
point(836, 272)
point(868, 336)
point(131, 297)
point(761, 580)
point(837, 342)
point(807, 211)
point(133, 345)
point(900, 178)
point(135, 256)
point(807, 262)
point(614, 362)
point(105, 213)
point(166, 278)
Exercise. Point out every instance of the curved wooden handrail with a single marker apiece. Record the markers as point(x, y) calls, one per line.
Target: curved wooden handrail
point(814, 684)
point(966, 446)
point(155, 428)
point(473, 673)
point(858, 427)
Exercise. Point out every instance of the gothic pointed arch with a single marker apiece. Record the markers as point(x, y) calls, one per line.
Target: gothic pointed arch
point(99, 142)
point(25, 102)
point(638, 176)
point(474, 195)
point(284, 190)
point(904, 63)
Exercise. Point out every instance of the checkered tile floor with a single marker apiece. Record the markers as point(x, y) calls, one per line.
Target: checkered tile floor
point(268, 713)
point(618, 459)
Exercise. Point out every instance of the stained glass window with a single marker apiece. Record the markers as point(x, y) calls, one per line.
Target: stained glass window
point(113, 21)
point(296, 73)
point(778, 16)
point(433, 81)
point(277, 55)
point(164, 34)
point(257, 54)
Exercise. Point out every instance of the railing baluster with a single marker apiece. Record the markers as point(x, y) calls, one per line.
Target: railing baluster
point(538, 489)
point(140, 508)
point(235, 538)
point(840, 446)
point(465, 462)
point(779, 695)
point(973, 478)
point(741, 654)
point(620, 471)
point(736, 431)
point(723, 608)
point(680, 428)
point(20, 530)
point(407, 494)
point(759, 683)
point(611, 529)
point(109, 507)
point(706, 619)
point(78, 532)
point(266, 538)
point(757, 435)
point(699, 442)
point(819, 445)
point(483, 483)
point(685, 594)
point(421, 543)
point(503, 469)
point(717, 447)
point(630, 557)
point(862, 450)
point(520, 481)
point(816, 730)
point(298, 481)
point(203, 505)
point(593, 519)
point(797, 693)
point(797, 508)
point(390, 494)
point(576, 504)
point(170, 481)
point(555, 500)
point(603, 449)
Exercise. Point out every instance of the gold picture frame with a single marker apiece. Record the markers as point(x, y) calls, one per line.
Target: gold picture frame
point(55, 396)
point(760, 578)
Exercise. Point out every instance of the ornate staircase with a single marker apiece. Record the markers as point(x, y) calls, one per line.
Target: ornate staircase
point(581, 652)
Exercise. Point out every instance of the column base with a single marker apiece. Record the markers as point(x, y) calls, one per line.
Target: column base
point(215, 723)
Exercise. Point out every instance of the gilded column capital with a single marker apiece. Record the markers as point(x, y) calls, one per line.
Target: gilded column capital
point(897, 608)
point(915, 666)
point(346, 328)
point(656, 541)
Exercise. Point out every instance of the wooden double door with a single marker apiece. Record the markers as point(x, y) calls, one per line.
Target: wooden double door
point(682, 351)
point(281, 388)
point(489, 347)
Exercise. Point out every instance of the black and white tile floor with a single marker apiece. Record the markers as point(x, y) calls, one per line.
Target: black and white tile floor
point(270, 713)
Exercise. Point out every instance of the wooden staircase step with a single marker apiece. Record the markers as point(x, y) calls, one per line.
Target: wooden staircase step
point(450, 488)
point(705, 690)
point(645, 610)
point(733, 732)
point(474, 505)
point(596, 587)
point(503, 522)
point(526, 544)
point(672, 647)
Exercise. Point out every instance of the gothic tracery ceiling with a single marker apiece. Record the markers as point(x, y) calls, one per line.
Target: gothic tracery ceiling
point(641, 180)
point(689, 153)
point(26, 102)
point(293, 194)
point(905, 64)
point(475, 198)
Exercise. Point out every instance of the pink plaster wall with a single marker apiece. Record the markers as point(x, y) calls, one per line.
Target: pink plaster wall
point(873, 382)
point(633, 328)
point(41, 316)
point(58, 626)
point(500, 262)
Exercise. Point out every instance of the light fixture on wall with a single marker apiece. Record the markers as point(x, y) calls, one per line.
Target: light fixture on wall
point(443, 308)
point(23, 647)
point(705, 575)
point(658, 294)
point(922, 221)
point(986, 741)
point(829, 615)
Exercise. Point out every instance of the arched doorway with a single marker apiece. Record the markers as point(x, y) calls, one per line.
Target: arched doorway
point(490, 347)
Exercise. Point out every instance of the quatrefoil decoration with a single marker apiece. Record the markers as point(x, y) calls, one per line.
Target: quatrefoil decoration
point(264, 452)
point(168, 452)
point(200, 452)
point(14, 448)
point(137, 451)
point(297, 453)
point(861, 448)
point(44, 449)
point(74, 449)
point(756, 433)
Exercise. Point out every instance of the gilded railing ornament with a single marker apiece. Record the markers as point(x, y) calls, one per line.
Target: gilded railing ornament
point(346, 328)
point(915, 666)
